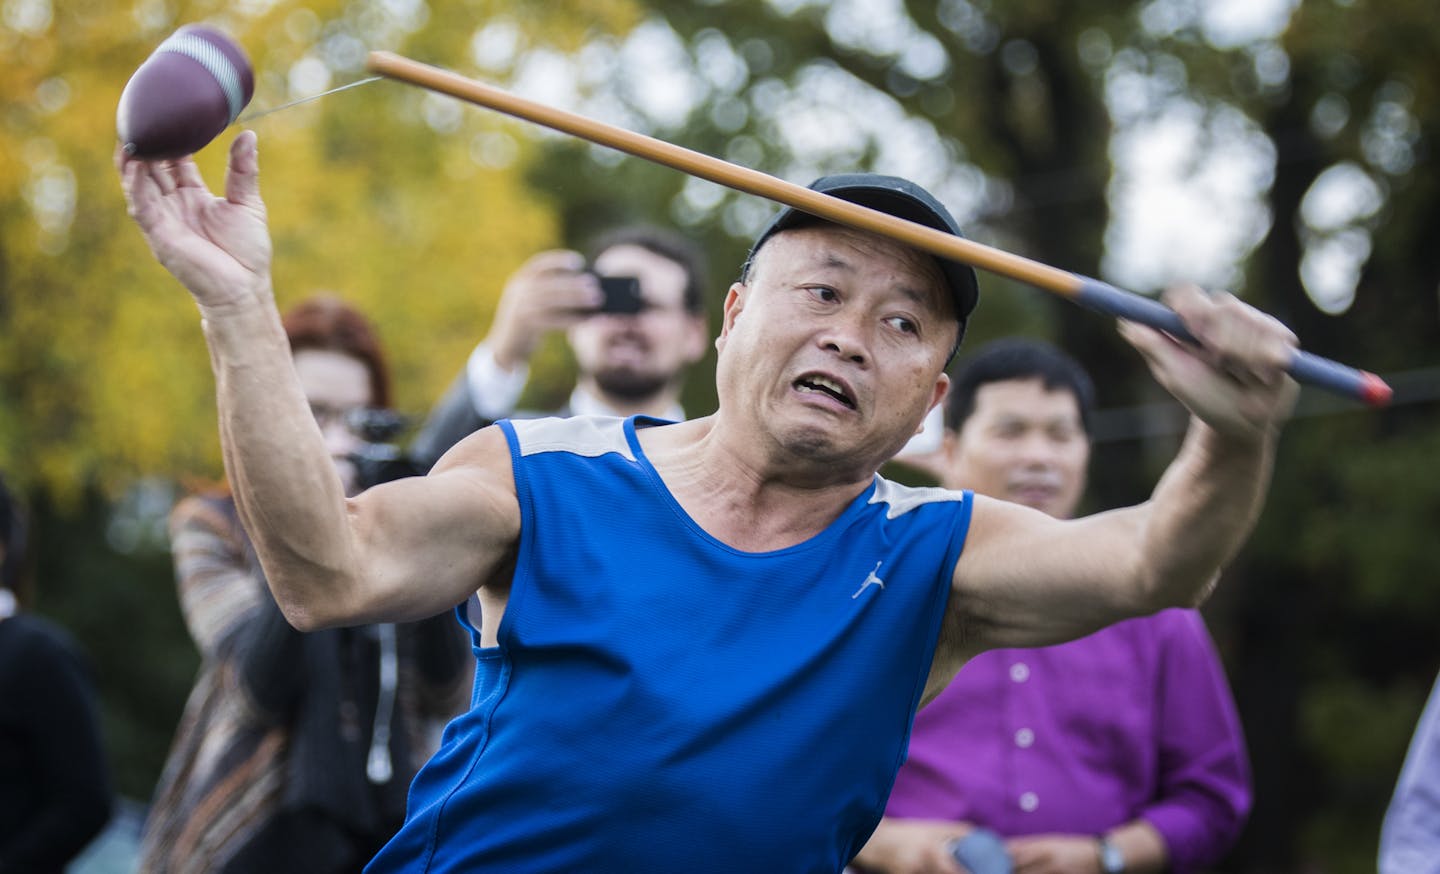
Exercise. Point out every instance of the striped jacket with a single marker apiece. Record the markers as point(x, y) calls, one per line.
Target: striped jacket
point(281, 723)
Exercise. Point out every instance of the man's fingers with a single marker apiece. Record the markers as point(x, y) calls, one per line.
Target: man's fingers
point(549, 282)
point(1248, 345)
point(161, 174)
point(129, 178)
point(1194, 307)
point(1168, 359)
point(565, 260)
point(140, 191)
point(187, 174)
point(1234, 375)
point(554, 297)
point(1150, 343)
point(1028, 857)
point(566, 293)
point(242, 177)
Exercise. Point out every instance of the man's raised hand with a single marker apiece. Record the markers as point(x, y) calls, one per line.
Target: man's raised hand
point(1234, 377)
point(218, 247)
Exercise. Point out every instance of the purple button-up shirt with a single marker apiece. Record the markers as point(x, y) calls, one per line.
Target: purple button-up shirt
point(1133, 722)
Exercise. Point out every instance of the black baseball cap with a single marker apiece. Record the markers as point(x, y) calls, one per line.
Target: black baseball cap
point(902, 199)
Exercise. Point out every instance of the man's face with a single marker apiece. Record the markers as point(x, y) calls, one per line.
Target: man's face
point(834, 350)
point(635, 356)
point(1022, 443)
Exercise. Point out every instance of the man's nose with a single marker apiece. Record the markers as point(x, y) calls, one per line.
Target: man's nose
point(1037, 449)
point(848, 336)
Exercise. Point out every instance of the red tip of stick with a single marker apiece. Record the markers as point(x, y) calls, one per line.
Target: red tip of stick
point(1374, 391)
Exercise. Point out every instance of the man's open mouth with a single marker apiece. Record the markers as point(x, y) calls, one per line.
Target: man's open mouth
point(814, 382)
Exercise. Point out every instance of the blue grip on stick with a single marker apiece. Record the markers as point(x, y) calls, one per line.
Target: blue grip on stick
point(1304, 366)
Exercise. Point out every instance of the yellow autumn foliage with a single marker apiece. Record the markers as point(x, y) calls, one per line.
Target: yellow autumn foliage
point(383, 194)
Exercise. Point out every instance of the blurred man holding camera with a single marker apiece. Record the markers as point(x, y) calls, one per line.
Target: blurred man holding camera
point(634, 316)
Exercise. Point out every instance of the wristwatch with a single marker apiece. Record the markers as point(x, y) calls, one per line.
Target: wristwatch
point(1112, 861)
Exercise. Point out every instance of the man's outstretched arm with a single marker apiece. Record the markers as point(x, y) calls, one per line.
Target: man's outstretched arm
point(1026, 579)
point(402, 551)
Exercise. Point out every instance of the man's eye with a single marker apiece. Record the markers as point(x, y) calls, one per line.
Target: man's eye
point(904, 325)
point(820, 292)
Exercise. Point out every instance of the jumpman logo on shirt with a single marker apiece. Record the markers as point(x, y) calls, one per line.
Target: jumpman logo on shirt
point(871, 580)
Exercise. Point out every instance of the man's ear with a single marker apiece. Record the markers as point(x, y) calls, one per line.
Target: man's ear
point(942, 388)
point(735, 300)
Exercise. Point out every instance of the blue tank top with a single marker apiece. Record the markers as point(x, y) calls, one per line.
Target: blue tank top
point(659, 701)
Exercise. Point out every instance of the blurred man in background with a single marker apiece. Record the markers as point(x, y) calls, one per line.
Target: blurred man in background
point(1120, 751)
point(631, 359)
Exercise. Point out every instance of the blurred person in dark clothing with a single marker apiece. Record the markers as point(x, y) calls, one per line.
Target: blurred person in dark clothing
point(295, 750)
point(54, 781)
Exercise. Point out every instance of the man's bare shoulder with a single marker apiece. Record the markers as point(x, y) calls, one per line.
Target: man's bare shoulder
point(484, 452)
point(996, 516)
point(425, 543)
point(477, 473)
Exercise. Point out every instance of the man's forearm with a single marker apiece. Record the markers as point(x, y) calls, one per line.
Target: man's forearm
point(289, 496)
point(1202, 510)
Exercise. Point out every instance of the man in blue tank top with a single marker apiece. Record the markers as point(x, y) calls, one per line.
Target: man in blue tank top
point(703, 643)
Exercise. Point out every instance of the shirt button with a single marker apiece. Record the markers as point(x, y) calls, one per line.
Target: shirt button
point(1024, 738)
point(1019, 672)
point(1029, 801)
